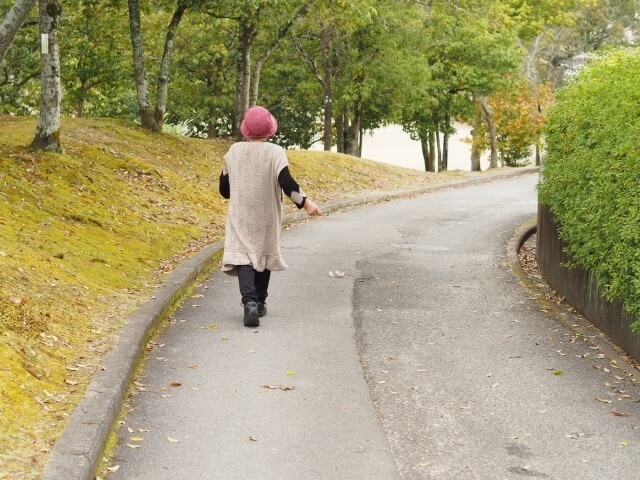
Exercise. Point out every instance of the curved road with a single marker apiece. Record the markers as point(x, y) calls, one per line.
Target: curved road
point(427, 360)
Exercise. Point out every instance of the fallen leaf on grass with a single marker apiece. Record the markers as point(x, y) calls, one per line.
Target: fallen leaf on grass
point(279, 387)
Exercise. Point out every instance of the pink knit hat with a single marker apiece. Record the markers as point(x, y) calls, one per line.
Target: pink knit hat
point(258, 123)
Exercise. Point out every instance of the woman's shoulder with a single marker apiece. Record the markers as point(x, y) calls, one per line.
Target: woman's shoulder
point(274, 147)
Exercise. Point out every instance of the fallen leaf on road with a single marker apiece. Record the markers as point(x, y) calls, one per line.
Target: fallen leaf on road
point(175, 384)
point(132, 446)
point(619, 414)
point(558, 373)
point(624, 443)
point(603, 400)
point(253, 439)
point(279, 387)
point(136, 439)
point(212, 327)
point(114, 468)
point(173, 440)
point(290, 373)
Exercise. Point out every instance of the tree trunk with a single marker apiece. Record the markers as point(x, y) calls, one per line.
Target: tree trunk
point(444, 162)
point(163, 74)
point(80, 107)
point(476, 153)
point(538, 154)
point(491, 126)
point(47, 135)
point(352, 133)
point(427, 151)
point(327, 137)
point(147, 117)
point(327, 88)
point(12, 23)
point(432, 152)
point(475, 158)
point(438, 146)
point(340, 135)
point(247, 32)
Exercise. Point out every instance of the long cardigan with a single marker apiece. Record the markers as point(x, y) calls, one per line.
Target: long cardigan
point(254, 173)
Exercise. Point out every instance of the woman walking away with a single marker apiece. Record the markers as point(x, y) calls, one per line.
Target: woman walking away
point(255, 174)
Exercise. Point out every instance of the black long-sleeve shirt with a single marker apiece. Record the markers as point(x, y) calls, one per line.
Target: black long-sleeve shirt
point(289, 186)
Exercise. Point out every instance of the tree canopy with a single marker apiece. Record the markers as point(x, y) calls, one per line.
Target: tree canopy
point(330, 69)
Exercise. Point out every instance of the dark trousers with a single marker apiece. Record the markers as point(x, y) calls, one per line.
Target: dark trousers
point(253, 285)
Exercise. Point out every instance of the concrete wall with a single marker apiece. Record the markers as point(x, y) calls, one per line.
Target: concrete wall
point(579, 287)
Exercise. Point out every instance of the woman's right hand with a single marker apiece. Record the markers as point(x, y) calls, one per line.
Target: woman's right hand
point(312, 208)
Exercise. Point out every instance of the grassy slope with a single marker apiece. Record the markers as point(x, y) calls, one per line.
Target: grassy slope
point(85, 236)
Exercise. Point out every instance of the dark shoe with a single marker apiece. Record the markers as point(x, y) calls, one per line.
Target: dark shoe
point(251, 316)
point(262, 309)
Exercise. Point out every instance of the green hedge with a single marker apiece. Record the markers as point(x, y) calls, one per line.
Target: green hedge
point(591, 176)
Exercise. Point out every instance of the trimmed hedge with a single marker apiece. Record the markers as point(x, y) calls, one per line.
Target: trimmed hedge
point(591, 177)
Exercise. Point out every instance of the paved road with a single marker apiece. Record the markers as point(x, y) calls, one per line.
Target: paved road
point(427, 360)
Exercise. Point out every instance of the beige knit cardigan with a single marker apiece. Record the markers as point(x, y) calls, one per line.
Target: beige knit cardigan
point(254, 217)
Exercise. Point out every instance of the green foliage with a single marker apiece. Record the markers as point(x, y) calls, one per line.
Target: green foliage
point(96, 60)
point(591, 178)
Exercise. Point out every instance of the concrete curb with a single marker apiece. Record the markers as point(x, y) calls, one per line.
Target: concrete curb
point(77, 453)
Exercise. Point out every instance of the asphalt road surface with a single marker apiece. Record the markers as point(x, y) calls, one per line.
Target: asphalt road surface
point(427, 360)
